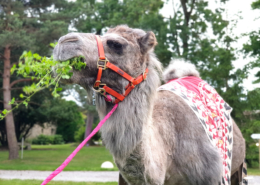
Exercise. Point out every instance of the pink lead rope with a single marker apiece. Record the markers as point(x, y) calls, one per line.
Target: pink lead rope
point(66, 162)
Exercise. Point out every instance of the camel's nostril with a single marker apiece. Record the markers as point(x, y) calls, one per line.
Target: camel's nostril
point(71, 37)
point(70, 40)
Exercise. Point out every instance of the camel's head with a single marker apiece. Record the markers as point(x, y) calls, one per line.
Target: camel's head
point(124, 47)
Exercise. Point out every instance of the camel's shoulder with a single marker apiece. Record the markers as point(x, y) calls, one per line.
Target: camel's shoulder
point(169, 99)
point(170, 106)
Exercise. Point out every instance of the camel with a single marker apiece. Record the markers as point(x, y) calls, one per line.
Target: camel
point(154, 137)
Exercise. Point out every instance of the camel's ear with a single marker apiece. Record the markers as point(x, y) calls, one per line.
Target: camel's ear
point(147, 42)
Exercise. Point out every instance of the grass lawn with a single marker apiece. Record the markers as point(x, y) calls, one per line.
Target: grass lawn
point(49, 157)
point(253, 171)
point(37, 182)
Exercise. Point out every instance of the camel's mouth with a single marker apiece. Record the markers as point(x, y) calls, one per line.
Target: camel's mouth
point(74, 60)
point(67, 67)
point(75, 63)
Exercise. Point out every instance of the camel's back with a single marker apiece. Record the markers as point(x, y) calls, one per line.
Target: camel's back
point(184, 134)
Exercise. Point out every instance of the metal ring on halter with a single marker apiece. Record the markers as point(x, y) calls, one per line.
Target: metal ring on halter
point(100, 90)
point(98, 81)
point(103, 66)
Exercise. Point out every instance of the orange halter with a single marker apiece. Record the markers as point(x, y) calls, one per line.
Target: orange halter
point(103, 88)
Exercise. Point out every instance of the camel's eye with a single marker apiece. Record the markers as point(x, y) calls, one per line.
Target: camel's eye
point(114, 45)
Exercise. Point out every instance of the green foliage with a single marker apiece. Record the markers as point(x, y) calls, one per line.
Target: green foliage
point(252, 151)
point(64, 114)
point(45, 140)
point(40, 68)
point(88, 109)
point(252, 49)
point(28, 25)
point(252, 125)
point(213, 54)
point(97, 16)
point(48, 157)
point(80, 133)
point(189, 29)
point(33, 24)
point(256, 4)
point(184, 35)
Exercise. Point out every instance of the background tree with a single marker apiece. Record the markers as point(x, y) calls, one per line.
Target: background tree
point(26, 24)
point(64, 114)
point(205, 38)
point(88, 108)
point(194, 32)
point(97, 16)
point(25, 118)
point(252, 125)
point(251, 50)
point(252, 47)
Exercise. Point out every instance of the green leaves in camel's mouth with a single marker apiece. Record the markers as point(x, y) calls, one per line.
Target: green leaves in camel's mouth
point(40, 70)
point(65, 67)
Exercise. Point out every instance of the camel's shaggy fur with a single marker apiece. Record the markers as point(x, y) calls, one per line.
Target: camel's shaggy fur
point(154, 137)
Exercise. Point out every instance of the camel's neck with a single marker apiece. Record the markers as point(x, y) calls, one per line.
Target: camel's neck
point(123, 130)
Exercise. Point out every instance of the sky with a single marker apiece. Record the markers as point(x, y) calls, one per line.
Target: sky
point(248, 23)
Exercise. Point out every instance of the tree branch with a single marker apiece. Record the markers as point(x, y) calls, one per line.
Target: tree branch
point(174, 11)
point(16, 63)
point(185, 12)
point(19, 101)
point(177, 44)
point(192, 6)
point(20, 80)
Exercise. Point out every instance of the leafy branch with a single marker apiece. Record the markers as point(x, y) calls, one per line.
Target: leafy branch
point(41, 69)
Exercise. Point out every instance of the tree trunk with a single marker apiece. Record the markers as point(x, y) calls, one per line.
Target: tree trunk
point(185, 32)
point(89, 123)
point(9, 119)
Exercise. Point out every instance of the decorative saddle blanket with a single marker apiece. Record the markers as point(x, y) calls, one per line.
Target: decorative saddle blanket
point(213, 113)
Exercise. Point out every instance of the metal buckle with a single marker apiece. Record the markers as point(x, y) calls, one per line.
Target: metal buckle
point(104, 66)
point(143, 75)
point(98, 81)
point(103, 92)
point(100, 90)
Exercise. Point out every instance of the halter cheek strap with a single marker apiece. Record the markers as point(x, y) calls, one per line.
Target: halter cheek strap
point(103, 64)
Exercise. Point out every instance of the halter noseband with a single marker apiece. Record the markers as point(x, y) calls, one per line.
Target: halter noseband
point(103, 88)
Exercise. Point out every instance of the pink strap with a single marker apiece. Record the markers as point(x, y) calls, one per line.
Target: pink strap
point(66, 162)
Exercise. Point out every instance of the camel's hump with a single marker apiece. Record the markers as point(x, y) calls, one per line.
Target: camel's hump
point(179, 68)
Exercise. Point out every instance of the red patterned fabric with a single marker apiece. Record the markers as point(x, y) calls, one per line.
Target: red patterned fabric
point(213, 113)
